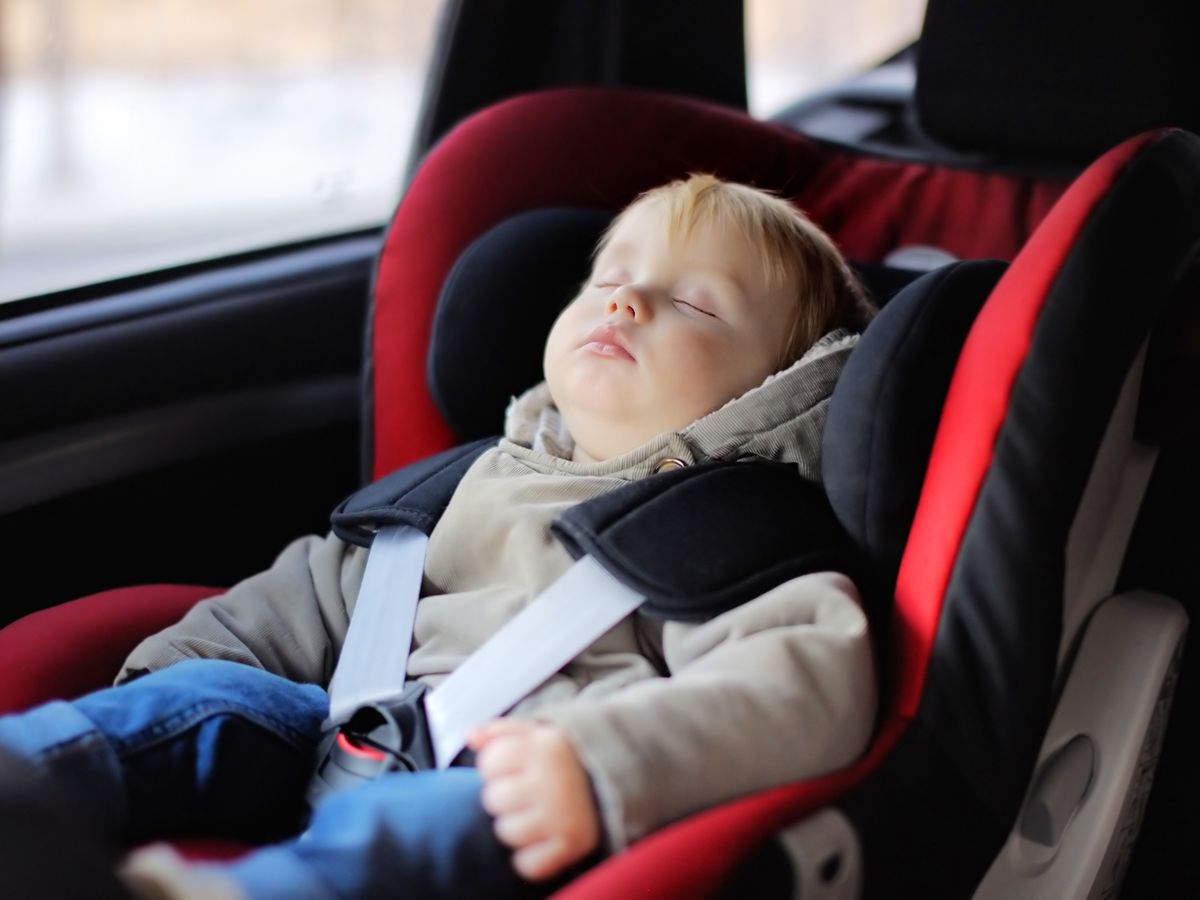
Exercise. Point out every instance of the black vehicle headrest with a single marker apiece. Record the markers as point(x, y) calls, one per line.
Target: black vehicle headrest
point(1056, 82)
point(503, 294)
point(884, 413)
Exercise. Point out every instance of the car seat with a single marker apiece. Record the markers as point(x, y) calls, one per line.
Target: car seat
point(1024, 363)
point(541, 143)
point(976, 631)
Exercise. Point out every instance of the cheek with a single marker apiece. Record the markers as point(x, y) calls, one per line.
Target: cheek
point(558, 341)
point(695, 369)
point(709, 373)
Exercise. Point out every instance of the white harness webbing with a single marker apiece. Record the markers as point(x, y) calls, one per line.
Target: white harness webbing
point(559, 624)
point(374, 655)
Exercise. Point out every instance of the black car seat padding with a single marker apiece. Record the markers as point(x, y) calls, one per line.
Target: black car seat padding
point(503, 294)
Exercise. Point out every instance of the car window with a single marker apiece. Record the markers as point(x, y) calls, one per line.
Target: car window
point(794, 47)
point(140, 134)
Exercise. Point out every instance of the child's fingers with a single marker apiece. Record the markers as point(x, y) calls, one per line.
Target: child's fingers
point(502, 756)
point(520, 829)
point(489, 731)
point(541, 860)
point(505, 795)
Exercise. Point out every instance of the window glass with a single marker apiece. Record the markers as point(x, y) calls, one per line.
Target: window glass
point(794, 47)
point(139, 134)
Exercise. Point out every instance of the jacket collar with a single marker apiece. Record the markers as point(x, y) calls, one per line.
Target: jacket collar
point(780, 420)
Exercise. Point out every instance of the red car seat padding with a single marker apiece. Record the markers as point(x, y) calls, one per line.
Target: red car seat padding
point(980, 596)
point(975, 410)
point(690, 859)
point(76, 647)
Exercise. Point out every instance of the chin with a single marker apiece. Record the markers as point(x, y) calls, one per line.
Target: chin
point(594, 389)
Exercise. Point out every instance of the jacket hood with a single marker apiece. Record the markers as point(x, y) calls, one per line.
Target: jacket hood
point(779, 420)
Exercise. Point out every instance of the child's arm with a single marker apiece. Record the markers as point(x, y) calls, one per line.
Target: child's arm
point(779, 689)
point(538, 792)
point(290, 619)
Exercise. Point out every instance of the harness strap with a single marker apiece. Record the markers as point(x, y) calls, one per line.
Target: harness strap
point(558, 625)
point(372, 664)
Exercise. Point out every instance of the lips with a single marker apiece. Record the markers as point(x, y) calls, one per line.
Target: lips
point(607, 340)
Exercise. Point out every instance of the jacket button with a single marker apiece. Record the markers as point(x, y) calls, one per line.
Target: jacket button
point(670, 463)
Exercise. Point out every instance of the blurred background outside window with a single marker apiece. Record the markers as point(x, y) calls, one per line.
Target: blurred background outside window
point(141, 134)
point(797, 47)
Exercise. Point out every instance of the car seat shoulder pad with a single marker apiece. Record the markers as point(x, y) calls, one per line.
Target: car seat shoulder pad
point(695, 542)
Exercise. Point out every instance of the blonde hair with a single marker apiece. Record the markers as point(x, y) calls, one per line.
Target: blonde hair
point(792, 251)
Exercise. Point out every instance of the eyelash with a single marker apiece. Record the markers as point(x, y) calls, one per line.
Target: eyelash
point(694, 306)
point(675, 300)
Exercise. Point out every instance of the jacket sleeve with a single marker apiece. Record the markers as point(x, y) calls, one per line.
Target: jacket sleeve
point(779, 689)
point(290, 619)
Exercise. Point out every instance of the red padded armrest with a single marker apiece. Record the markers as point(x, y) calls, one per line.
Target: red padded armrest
point(690, 859)
point(77, 647)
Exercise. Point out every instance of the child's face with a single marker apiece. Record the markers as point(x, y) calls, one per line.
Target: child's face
point(663, 333)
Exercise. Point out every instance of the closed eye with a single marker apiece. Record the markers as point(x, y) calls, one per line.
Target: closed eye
point(693, 306)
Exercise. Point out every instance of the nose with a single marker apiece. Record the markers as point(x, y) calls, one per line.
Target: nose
point(629, 301)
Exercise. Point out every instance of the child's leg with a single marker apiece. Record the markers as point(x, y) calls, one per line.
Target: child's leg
point(204, 746)
point(421, 835)
point(36, 826)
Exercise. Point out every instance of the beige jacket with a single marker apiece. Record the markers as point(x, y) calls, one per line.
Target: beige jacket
point(667, 718)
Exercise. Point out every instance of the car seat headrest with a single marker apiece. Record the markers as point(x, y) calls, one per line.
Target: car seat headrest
point(884, 412)
point(870, 206)
point(496, 308)
point(1055, 82)
point(501, 297)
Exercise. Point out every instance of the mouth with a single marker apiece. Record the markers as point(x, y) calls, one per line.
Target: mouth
point(607, 340)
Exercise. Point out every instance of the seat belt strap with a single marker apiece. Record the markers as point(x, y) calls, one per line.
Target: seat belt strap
point(372, 664)
point(558, 625)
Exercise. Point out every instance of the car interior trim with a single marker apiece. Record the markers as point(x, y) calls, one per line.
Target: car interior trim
point(46, 466)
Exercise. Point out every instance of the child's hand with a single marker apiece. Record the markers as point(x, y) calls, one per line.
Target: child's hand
point(535, 786)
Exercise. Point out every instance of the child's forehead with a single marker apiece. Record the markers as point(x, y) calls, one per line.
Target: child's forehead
point(655, 223)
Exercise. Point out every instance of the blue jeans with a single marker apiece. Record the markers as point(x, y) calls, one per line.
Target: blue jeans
point(210, 747)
